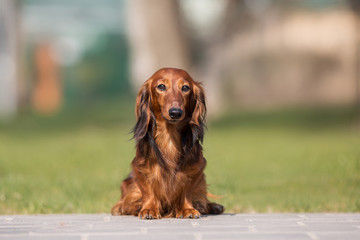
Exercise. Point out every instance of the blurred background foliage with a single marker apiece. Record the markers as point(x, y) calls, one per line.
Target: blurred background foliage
point(282, 82)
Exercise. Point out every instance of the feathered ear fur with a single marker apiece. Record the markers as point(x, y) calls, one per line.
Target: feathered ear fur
point(143, 112)
point(146, 123)
point(197, 121)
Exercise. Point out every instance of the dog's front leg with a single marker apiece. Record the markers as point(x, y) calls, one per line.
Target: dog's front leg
point(187, 210)
point(150, 209)
point(150, 204)
point(194, 191)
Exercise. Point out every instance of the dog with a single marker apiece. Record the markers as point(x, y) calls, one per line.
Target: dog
point(167, 178)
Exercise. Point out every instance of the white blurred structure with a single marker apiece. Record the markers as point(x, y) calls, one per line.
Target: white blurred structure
point(8, 57)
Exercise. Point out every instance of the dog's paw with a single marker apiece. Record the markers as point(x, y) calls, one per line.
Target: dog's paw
point(149, 214)
point(188, 213)
point(116, 210)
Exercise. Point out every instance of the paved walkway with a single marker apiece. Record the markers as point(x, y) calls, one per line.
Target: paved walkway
point(227, 226)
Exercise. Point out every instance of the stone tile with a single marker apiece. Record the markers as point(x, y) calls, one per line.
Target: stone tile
point(257, 236)
point(226, 226)
point(338, 236)
point(307, 228)
point(199, 230)
point(40, 237)
point(168, 236)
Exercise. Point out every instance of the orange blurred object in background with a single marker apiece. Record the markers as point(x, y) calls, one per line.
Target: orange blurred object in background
point(47, 95)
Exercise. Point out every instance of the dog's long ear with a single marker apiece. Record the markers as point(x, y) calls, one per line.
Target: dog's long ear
point(145, 125)
point(143, 112)
point(197, 121)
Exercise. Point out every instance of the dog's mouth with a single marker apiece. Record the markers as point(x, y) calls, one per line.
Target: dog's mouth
point(172, 121)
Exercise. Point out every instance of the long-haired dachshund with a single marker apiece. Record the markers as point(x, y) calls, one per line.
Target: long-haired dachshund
point(167, 178)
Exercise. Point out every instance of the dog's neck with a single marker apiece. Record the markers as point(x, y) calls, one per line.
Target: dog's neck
point(168, 139)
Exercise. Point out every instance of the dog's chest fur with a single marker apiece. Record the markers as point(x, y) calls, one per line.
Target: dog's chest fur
point(171, 182)
point(168, 139)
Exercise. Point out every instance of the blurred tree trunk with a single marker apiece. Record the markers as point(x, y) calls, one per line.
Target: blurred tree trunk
point(236, 19)
point(355, 6)
point(8, 58)
point(156, 38)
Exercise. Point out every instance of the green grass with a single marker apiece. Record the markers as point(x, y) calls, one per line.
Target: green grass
point(288, 161)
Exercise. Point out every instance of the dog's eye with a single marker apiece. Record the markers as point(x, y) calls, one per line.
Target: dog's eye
point(185, 88)
point(161, 87)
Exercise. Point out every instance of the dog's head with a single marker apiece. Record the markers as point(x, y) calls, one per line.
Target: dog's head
point(170, 95)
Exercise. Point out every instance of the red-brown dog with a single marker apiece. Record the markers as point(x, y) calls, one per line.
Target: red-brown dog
point(167, 178)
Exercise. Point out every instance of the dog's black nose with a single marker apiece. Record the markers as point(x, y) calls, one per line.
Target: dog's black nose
point(175, 113)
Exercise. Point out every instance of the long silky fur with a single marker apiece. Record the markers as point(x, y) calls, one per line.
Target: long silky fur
point(195, 133)
point(144, 129)
point(167, 179)
point(155, 147)
point(198, 127)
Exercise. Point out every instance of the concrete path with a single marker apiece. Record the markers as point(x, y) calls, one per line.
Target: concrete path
point(227, 226)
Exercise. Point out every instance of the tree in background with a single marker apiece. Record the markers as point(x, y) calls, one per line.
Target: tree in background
point(355, 6)
point(155, 37)
point(158, 38)
point(9, 50)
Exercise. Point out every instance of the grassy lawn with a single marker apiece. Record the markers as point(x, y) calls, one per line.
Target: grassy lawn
point(289, 161)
